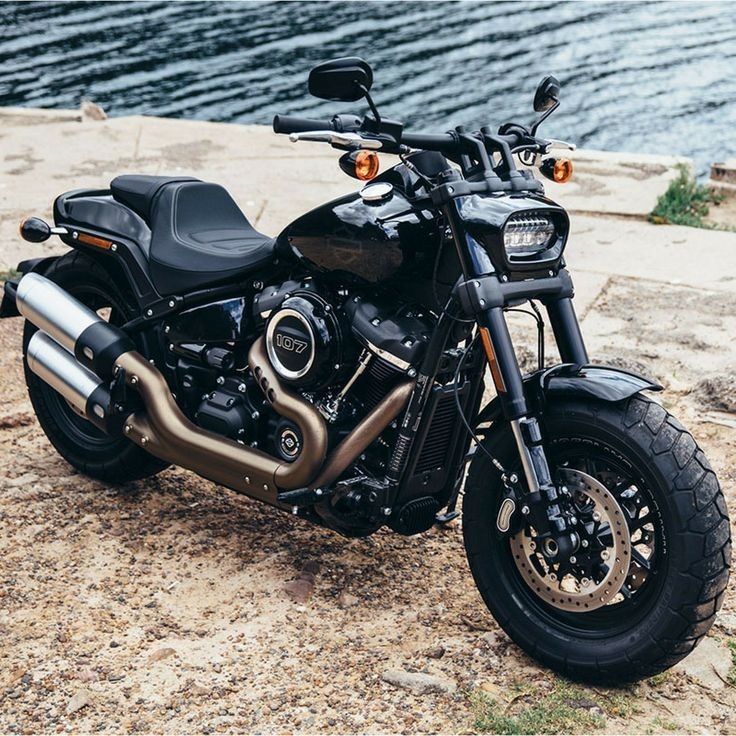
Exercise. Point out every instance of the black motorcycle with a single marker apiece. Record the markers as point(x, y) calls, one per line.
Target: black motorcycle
point(337, 372)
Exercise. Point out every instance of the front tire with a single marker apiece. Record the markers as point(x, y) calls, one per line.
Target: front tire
point(80, 443)
point(679, 529)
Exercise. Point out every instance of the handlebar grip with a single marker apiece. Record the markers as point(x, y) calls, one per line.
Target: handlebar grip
point(292, 124)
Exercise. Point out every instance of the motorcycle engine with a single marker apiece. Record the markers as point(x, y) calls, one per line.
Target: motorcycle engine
point(315, 340)
point(304, 335)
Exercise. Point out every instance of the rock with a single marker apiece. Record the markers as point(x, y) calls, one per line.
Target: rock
point(92, 111)
point(79, 700)
point(708, 664)
point(301, 589)
point(114, 644)
point(727, 621)
point(160, 654)
point(87, 674)
point(16, 420)
point(26, 479)
point(347, 600)
point(419, 682)
point(435, 652)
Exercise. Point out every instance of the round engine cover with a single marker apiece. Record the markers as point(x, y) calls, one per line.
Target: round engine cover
point(303, 341)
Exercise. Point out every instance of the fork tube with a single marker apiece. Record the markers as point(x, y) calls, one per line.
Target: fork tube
point(499, 350)
point(566, 329)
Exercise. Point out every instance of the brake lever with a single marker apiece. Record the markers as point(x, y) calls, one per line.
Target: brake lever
point(553, 143)
point(343, 140)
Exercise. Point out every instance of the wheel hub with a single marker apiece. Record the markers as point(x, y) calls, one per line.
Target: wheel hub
point(594, 575)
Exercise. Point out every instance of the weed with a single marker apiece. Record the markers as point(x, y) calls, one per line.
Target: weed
point(11, 273)
point(685, 202)
point(662, 724)
point(731, 676)
point(659, 679)
point(564, 709)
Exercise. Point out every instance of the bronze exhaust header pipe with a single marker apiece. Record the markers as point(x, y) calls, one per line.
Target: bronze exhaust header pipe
point(365, 432)
point(82, 338)
point(165, 432)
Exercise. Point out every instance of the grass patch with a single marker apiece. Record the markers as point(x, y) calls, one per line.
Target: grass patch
point(662, 724)
point(11, 273)
point(659, 679)
point(564, 709)
point(731, 676)
point(685, 202)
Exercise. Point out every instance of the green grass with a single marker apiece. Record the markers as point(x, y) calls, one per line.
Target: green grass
point(662, 724)
point(9, 274)
point(731, 676)
point(564, 709)
point(685, 202)
point(659, 679)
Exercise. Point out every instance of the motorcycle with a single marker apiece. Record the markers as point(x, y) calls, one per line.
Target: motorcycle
point(337, 372)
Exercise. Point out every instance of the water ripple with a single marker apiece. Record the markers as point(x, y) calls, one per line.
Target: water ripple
point(647, 76)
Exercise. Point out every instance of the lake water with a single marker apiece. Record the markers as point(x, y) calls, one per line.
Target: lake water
point(651, 77)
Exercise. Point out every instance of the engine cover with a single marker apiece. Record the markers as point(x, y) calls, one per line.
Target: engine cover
point(303, 341)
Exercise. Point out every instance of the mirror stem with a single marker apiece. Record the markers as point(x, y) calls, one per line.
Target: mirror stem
point(543, 117)
point(371, 104)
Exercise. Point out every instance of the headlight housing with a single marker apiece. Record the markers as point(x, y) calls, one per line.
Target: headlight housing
point(527, 234)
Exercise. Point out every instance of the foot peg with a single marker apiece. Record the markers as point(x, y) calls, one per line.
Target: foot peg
point(301, 497)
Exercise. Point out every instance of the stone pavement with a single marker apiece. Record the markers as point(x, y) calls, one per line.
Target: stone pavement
point(45, 152)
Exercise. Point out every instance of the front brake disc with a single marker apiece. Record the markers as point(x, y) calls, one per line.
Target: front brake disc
point(570, 592)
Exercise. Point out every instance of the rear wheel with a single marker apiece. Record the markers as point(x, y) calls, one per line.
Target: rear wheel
point(653, 564)
point(80, 443)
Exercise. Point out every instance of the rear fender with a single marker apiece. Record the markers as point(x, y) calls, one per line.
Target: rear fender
point(594, 382)
point(34, 265)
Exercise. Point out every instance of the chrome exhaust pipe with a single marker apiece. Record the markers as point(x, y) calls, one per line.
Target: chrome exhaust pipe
point(52, 310)
point(81, 388)
point(95, 343)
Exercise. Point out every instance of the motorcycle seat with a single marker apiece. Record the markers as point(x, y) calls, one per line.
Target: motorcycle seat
point(199, 236)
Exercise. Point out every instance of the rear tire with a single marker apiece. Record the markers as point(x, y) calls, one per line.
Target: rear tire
point(663, 618)
point(80, 443)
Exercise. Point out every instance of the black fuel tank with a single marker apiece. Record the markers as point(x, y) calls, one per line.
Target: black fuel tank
point(371, 241)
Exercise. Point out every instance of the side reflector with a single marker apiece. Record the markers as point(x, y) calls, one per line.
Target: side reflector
point(92, 240)
point(360, 164)
point(498, 381)
point(557, 169)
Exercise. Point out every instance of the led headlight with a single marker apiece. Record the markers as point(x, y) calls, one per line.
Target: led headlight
point(526, 235)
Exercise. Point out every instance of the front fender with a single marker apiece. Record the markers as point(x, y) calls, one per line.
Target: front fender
point(598, 382)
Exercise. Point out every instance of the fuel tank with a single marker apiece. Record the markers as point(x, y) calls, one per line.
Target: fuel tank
point(367, 240)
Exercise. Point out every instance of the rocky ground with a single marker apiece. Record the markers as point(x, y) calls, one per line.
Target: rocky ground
point(175, 606)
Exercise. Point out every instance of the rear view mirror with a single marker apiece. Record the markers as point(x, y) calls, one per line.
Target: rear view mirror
point(547, 94)
point(345, 80)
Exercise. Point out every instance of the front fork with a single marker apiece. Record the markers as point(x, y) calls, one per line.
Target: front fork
point(541, 502)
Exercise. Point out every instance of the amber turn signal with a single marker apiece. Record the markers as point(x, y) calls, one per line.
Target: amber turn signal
point(557, 169)
point(34, 230)
point(360, 164)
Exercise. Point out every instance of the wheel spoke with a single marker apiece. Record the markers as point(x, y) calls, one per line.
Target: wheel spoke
point(640, 560)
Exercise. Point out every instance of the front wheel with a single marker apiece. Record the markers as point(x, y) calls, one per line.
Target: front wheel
point(635, 602)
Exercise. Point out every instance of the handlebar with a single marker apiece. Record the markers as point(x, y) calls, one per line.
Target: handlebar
point(444, 142)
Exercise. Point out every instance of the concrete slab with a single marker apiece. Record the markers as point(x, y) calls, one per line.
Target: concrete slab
point(611, 183)
point(45, 152)
point(670, 253)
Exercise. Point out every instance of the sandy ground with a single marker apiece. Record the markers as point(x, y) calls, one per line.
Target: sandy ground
point(164, 606)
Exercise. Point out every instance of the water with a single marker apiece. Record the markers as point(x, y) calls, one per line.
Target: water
point(650, 77)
